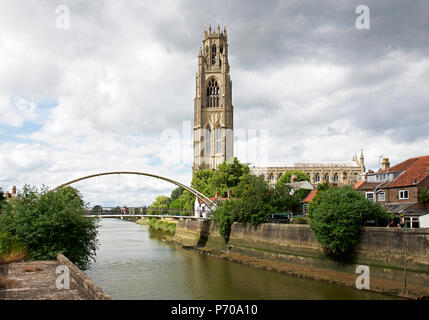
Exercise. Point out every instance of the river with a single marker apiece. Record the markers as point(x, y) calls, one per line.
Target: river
point(133, 264)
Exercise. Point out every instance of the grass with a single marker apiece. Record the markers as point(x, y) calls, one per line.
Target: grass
point(161, 225)
point(13, 256)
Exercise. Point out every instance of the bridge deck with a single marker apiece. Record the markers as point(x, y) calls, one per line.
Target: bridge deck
point(142, 216)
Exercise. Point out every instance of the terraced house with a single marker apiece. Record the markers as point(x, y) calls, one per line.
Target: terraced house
point(397, 188)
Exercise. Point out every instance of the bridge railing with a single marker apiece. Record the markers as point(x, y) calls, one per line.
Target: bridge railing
point(98, 210)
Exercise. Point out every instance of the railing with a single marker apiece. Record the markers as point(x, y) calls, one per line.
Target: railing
point(138, 211)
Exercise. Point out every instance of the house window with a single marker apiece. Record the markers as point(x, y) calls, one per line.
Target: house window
point(411, 222)
point(382, 196)
point(370, 195)
point(403, 194)
point(326, 177)
point(336, 177)
point(317, 177)
point(305, 208)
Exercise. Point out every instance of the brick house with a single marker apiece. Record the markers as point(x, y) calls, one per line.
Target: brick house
point(397, 188)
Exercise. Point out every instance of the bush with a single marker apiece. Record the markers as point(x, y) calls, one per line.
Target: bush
point(299, 221)
point(48, 223)
point(336, 219)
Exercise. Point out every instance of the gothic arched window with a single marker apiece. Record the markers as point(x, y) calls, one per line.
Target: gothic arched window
point(213, 54)
point(327, 177)
point(317, 177)
point(212, 94)
point(336, 177)
point(219, 140)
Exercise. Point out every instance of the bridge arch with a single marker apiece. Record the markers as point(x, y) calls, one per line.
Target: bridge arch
point(196, 193)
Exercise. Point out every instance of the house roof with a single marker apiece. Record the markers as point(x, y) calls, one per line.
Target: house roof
point(414, 170)
point(310, 196)
point(300, 185)
point(212, 199)
point(359, 183)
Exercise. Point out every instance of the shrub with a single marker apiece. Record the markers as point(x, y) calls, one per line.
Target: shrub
point(336, 219)
point(48, 223)
point(299, 220)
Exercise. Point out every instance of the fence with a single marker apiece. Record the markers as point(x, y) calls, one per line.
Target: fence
point(98, 210)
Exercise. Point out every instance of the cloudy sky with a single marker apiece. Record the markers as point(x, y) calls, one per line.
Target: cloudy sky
point(114, 91)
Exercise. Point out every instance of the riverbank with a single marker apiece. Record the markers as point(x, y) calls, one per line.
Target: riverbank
point(37, 280)
point(293, 249)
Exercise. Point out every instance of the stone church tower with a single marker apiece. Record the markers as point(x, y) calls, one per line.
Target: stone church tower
point(213, 111)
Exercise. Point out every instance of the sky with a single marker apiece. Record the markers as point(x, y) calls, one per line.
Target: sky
point(95, 86)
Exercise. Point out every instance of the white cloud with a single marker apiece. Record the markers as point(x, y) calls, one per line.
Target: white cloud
point(124, 74)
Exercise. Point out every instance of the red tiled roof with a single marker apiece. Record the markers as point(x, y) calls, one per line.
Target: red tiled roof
point(358, 184)
point(415, 170)
point(310, 196)
point(212, 199)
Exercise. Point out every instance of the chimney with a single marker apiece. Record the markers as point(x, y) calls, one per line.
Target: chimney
point(385, 164)
point(13, 190)
point(229, 194)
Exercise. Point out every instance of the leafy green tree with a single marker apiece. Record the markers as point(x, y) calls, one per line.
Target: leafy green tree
point(336, 220)
point(227, 176)
point(202, 182)
point(48, 223)
point(251, 205)
point(321, 187)
point(176, 193)
point(424, 196)
point(97, 209)
point(160, 205)
point(300, 176)
point(2, 197)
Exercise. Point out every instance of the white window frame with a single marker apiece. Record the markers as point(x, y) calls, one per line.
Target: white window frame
point(384, 196)
point(305, 209)
point(403, 195)
point(366, 196)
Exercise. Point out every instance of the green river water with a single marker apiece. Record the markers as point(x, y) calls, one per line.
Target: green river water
point(133, 264)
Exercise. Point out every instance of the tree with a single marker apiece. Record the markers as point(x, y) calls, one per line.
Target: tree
point(97, 209)
point(251, 205)
point(227, 176)
point(336, 219)
point(2, 197)
point(321, 187)
point(300, 176)
point(424, 196)
point(176, 193)
point(161, 204)
point(49, 223)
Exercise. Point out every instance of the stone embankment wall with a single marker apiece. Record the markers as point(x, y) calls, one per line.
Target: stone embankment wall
point(91, 289)
point(387, 251)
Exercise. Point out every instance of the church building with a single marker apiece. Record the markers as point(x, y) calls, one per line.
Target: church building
point(213, 111)
point(213, 121)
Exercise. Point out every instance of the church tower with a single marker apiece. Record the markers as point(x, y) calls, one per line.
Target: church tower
point(213, 111)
